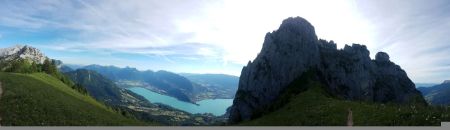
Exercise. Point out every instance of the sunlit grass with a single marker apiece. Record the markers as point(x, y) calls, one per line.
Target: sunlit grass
point(39, 99)
point(314, 108)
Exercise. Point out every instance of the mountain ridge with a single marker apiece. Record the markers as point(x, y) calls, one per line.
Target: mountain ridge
point(347, 73)
point(184, 86)
point(438, 94)
point(23, 52)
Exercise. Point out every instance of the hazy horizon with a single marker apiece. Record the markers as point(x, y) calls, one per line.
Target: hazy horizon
point(222, 36)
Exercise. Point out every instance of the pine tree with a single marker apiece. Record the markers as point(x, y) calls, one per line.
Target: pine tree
point(34, 68)
point(50, 68)
point(46, 66)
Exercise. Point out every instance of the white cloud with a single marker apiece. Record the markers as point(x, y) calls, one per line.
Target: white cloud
point(236, 26)
point(412, 32)
point(240, 26)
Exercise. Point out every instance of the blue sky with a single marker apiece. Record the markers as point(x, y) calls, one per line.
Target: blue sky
point(218, 36)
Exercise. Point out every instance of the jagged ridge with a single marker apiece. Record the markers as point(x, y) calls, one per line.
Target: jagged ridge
point(347, 73)
point(23, 52)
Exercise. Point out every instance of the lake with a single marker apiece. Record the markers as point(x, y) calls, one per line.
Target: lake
point(215, 106)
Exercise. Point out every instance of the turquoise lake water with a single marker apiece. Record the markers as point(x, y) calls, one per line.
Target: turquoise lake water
point(215, 106)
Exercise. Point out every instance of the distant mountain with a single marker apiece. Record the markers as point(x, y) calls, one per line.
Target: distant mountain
point(116, 73)
point(102, 88)
point(223, 86)
point(220, 80)
point(22, 52)
point(418, 85)
point(74, 66)
point(438, 94)
point(9, 57)
point(65, 68)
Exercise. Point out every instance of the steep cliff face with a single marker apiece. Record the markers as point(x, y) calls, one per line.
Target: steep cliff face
point(348, 73)
point(351, 74)
point(276, 66)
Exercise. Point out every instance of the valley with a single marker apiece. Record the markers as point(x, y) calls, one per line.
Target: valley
point(185, 87)
point(438, 95)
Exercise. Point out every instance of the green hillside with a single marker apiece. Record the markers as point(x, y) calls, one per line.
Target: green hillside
point(314, 107)
point(39, 99)
point(97, 86)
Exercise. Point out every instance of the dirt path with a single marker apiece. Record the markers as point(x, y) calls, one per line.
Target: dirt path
point(350, 117)
point(1, 91)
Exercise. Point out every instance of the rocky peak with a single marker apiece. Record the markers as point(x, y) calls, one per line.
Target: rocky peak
point(297, 26)
point(293, 33)
point(348, 73)
point(357, 48)
point(382, 56)
point(10, 51)
point(22, 52)
point(286, 53)
point(327, 45)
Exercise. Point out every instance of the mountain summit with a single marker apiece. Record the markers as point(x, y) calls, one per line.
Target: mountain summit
point(294, 50)
point(22, 52)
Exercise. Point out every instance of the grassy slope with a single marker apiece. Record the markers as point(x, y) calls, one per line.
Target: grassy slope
point(39, 99)
point(313, 107)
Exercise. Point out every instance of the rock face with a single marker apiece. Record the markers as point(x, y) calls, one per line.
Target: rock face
point(348, 73)
point(22, 52)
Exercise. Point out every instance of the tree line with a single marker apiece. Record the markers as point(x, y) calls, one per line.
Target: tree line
point(49, 67)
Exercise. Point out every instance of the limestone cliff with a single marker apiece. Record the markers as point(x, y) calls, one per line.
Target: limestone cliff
point(348, 73)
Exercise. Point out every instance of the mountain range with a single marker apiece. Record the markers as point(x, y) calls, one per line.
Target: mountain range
point(437, 94)
point(213, 85)
point(112, 104)
point(185, 87)
point(21, 52)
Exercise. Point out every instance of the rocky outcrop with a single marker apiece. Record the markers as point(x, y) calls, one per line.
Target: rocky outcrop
point(21, 52)
point(276, 66)
point(348, 73)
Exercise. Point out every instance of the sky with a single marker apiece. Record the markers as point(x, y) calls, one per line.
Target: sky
point(221, 36)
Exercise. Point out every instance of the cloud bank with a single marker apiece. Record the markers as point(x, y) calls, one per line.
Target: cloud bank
point(222, 36)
